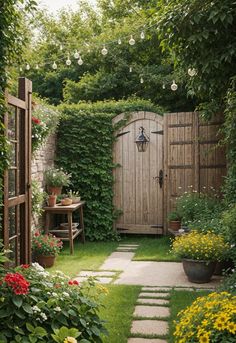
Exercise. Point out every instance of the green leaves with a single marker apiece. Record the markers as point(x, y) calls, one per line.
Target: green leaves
point(60, 335)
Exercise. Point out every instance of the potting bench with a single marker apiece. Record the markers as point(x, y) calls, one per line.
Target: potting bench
point(68, 234)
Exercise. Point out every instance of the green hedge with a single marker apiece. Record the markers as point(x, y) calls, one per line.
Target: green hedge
point(84, 149)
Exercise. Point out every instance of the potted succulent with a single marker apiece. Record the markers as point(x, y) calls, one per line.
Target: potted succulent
point(199, 253)
point(55, 179)
point(174, 220)
point(45, 248)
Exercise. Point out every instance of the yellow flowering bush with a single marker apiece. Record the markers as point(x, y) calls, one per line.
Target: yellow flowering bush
point(200, 246)
point(209, 319)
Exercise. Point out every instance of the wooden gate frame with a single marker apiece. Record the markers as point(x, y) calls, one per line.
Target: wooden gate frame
point(201, 140)
point(23, 106)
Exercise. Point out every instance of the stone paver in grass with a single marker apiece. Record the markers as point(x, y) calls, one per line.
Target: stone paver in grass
point(149, 327)
point(126, 248)
point(184, 289)
point(153, 289)
point(81, 278)
point(146, 340)
point(154, 295)
point(128, 245)
point(153, 301)
point(99, 273)
point(118, 261)
point(151, 311)
point(104, 280)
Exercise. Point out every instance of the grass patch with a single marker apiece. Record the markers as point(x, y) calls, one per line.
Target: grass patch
point(118, 311)
point(152, 248)
point(88, 256)
point(179, 301)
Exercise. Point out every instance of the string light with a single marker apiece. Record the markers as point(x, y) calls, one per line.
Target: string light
point(130, 69)
point(142, 35)
point(174, 86)
point(76, 55)
point(27, 66)
point(141, 80)
point(104, 51)
point(54, 66)
point(192, 72)
point(131, 41)
point(119, 41)
point(80, 61)
point(68, 61)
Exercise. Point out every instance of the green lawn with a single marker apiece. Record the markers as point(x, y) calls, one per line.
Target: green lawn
point(118, 311)
point(179, 301)
point(152, 248)
point(88, 256)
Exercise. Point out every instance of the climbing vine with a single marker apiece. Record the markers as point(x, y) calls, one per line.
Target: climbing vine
point(85, 142)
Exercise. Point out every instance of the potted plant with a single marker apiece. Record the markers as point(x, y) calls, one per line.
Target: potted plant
point(199, 253)
point(45, 248)
point(55, 179)
point(75, 196)
point(174, 220)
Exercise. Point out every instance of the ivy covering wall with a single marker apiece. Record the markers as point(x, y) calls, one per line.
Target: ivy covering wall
point(84, 148)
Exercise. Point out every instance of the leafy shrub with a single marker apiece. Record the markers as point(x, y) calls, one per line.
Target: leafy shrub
point(56, 177)
point(229, 283)
point(35, 303)
point(174, 216)
point(209, 319)
point(200, 246)
point(198, 208)
point(229, 229)
point(38, 197)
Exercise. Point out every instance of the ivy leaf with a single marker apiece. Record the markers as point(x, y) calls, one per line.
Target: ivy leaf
point(17, 301)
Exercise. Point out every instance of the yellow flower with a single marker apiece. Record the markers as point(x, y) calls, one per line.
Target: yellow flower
point(204, 338)
point(231, 327)
point(70, 340)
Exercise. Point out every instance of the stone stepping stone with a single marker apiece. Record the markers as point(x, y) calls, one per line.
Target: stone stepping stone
point(104, 280)
point(81, 278)
point(129, 245)
point(98, 273)
point(151, 311)
point(154, 295)
point(183, 289)
point(153, 301)
point(154, 289)
point(205, 289)
point(118, 260)
point(149, 327)
point(126, 248)
point(146, 340)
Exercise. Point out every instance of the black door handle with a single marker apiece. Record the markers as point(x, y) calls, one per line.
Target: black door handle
point(160, 178)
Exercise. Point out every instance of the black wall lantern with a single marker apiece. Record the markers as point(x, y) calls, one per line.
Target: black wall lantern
point(142, 140)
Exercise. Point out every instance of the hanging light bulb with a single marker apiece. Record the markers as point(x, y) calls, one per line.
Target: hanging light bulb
point(192, 72)
point(141, 80)
point(54, 66)
point(119, 41)
point(163, 86)
point(142, 35)
point(27, 66)
point(174, 86)
point(80, 61)
point(131, 41)
point(76, 54)
point(68, 61)
point(61, 47)
point(130, 69)
point(104, 51)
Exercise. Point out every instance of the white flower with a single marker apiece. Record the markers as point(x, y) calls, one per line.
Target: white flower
point(66, 294)
point(58, 309)
point(37, 266)
point(43, 315)
point(36, 309)
point(54, 294)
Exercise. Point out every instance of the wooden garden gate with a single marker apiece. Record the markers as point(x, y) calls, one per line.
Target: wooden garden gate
point(17, 178)
point(182, 149)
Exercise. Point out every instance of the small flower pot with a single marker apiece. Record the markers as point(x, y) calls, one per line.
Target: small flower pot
point(198, 271)
point(46, 261)
point(52, 200)
point(175, 225)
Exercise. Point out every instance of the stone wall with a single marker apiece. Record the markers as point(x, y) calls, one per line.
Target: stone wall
point(42, 160)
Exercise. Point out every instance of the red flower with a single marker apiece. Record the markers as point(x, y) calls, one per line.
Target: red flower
point(75, 282)
point(36, 120)
point(36, 233)
point(70, 282)
point(17, 282)
point(25, 266)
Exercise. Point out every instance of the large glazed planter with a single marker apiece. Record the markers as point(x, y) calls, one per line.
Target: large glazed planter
point(46, 261)
point(198, 271)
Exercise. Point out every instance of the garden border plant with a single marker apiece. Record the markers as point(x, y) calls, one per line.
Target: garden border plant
point(84, 149)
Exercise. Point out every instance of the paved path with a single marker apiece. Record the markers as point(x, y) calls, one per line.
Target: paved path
point(150, 317)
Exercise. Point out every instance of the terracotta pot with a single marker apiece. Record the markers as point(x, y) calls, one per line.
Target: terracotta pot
point(198, 271)
point(54, 190)
point(52, 200)
point(46, 261)
point(175, 225)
